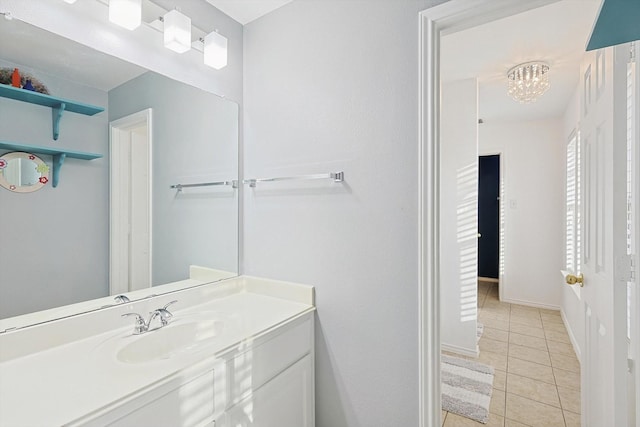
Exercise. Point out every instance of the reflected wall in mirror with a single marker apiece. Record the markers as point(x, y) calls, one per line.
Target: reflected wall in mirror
point(64, 258)
point(23, 172)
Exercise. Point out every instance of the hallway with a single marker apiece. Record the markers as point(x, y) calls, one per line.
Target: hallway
point(537, 377)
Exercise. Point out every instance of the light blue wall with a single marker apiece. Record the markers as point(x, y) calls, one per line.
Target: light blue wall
point(54, 243)
point(195, 139)
point(333, 85)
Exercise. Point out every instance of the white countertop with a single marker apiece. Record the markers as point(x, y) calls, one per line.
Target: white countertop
point(64, 383)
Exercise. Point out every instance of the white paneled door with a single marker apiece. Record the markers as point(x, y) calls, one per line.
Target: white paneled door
point(603, 129)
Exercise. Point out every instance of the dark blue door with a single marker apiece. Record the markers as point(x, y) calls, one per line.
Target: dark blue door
point(489, 216)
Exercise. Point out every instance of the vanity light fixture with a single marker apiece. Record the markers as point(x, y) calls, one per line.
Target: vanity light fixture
point(177, 31)
point(126, 13)
point(215, 50)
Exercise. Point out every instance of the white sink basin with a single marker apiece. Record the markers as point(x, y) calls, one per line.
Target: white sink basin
point(171, 340)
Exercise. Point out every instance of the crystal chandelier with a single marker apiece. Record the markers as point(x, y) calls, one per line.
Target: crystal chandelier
point(529, 81)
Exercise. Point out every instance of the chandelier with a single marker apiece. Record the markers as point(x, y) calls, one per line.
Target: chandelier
point(529, 81)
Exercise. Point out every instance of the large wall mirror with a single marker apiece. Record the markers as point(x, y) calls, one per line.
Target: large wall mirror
point(60, 251)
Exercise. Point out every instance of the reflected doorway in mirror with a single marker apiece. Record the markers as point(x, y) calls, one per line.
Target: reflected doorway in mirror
point(130, 176)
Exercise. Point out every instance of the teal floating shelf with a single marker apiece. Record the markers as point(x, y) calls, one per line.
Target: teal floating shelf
point(58, 105)
point(59, 156)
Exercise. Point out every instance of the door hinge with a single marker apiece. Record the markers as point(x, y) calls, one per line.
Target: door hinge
point(625, 268)
point(630, 365)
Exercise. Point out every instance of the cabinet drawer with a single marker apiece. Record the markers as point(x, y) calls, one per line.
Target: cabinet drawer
point(251, 369)
point(191, 404)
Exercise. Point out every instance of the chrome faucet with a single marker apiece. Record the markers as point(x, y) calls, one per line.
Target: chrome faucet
point(140, 326)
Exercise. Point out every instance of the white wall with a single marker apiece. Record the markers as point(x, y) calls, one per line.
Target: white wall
point(572, 307)
point(333, 85)
point(459, 215)
point(534, 176)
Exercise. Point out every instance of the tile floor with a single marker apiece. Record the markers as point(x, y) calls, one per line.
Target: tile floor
point(537, 377)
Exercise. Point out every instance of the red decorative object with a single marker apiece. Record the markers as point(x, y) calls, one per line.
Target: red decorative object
point(43, 179)
point(15, 78)
point(32, 157)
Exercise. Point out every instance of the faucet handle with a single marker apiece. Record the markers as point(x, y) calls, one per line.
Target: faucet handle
point(140, 325)
point(121, 298)
point(168, 304)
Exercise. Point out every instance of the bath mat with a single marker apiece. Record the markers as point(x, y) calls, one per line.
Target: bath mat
point(466, 388)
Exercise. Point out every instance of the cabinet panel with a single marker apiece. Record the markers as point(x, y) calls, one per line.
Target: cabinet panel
point(285, 401)
point(189, 405)
point(251, 369)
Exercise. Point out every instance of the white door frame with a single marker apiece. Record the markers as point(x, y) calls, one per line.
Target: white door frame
point(119, 222)
point(446, 18)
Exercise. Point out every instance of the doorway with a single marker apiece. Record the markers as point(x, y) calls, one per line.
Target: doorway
point(442, 20)
point(489, 218)
point(130, 197)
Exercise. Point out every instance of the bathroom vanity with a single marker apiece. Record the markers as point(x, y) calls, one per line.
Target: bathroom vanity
point(235, 353)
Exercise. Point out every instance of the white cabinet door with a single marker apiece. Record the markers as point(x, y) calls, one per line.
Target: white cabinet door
point(192, 404)
point(285, 401)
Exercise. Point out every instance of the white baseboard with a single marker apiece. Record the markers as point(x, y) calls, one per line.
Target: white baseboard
point(531, 304)
point(460, 350)
point(572, 337)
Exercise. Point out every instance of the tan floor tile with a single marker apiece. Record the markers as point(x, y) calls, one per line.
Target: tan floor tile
point(557, 327)
point(493, 315)
point(493, 302)
point(497, 360)
point(530, 370)
point(496, 334)
point(491, 305)
point(571, 419)
point(494, 323)
point(570, 399)
point(568, 363)
point(455, 420)
point(484, 286)
point(529, 354)
point(444, 416)
point(547, 318)
point(557, 336)
point(533, 389)
point(527, 341)
point(528, 321)
point(561, 348)
point(524, 309)
point(567, 378)
point(487, 344)
point(497, 403)
point(500, 380)
point(549, 312)
point(526, 330)
point(529, 315)
point(512, 423)
point(537, 414)
point(493, 296)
